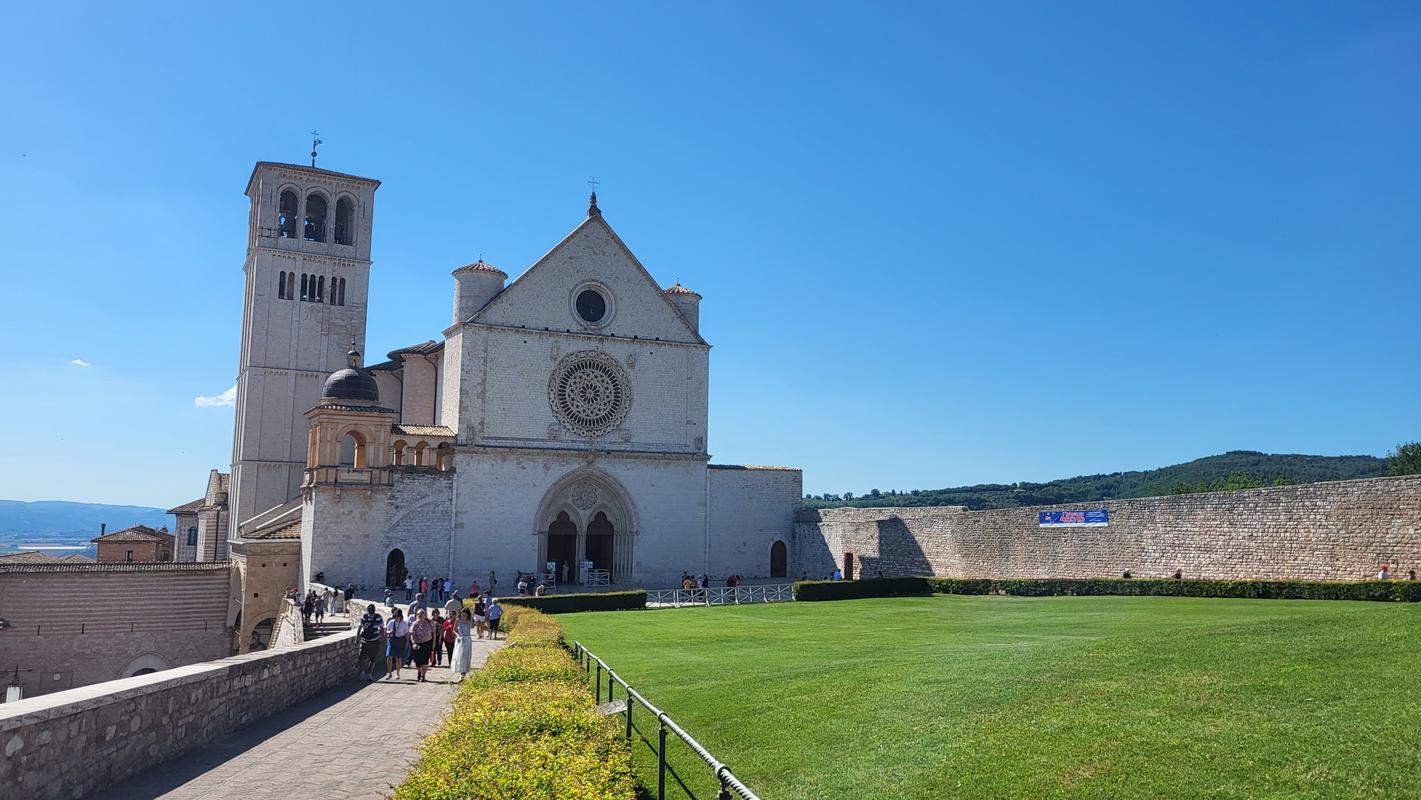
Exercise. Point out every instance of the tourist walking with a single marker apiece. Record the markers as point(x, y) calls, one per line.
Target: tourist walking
point(320, 608)
point(450, 637)
point(409, 588)
point(308, 606)
point(474, 589)
point(448, 588)
point(564, 571)
point(328, 601)
point(495, 614)
point(438, 620)
point(371, 632)
point(453, 605)
point(422, 642)
point(480, 616)
point(389, 598)
point(424, 586)
point(397, 635)
point(463, 654)
point(492, 582)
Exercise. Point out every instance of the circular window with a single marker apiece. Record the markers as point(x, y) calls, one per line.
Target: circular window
point(591, 306)
point(590, 393)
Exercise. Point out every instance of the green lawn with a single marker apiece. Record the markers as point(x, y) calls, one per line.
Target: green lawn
point(1062, 697)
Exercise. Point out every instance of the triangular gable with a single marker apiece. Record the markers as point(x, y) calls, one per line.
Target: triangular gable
point(541, 296)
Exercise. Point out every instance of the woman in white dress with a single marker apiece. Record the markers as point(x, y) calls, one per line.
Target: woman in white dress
point(463, 645)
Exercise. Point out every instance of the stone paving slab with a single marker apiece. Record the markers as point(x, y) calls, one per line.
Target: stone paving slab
point(353, 741)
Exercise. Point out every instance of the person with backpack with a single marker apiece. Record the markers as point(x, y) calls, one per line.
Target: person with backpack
point(371, 633)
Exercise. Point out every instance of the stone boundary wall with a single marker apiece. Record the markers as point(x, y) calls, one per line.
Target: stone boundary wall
point(1338, 530)
point(70, 744)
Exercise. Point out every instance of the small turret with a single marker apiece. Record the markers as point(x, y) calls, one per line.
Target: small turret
point(474, 286)
point(688, 302)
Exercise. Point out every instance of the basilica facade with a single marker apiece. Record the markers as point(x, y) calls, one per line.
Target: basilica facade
point(556, 419)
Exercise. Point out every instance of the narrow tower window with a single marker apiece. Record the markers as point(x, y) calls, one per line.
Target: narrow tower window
point(342, 291)
point(286, 215)
point(321, 289)
point(345, 214)
point(290, 285)
point(281, 285)
point(315, 218)
point(305, 287)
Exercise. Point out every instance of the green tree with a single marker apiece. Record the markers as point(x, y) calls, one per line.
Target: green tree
point(1405, 459)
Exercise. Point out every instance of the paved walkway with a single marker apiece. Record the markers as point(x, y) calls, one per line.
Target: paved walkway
point(353, 741)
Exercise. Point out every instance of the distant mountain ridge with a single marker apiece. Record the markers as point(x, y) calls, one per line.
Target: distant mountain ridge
point(62, 517)
point(1263, 467)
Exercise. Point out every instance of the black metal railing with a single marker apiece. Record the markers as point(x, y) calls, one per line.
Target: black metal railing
point(727, 780)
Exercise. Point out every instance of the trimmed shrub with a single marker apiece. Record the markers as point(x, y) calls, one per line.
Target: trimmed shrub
point(874, 587)
point(524, 726)
point(529, 628)
point(1395, 591)
point(526, 665)
point(590, 601)
point(523, 740)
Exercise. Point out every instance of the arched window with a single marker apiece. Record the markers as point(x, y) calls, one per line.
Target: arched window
point(341, 300)
point(290, 285)
point(352, 451)
point(444, 457)
point(286, 215)
point(399, 459)
point(305, 295)
point(321, 289)
point(281, 285)
point(419, 454)
point(345, 216)
point(315, 218)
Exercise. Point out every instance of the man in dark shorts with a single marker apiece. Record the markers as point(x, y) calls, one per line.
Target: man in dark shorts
point(372, 633)
point(495, 615)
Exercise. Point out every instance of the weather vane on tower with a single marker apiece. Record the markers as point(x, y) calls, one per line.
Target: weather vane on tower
point(315, 140)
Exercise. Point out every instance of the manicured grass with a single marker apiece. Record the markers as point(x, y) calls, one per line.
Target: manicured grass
point(1058, 697)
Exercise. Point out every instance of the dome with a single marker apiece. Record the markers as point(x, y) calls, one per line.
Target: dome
point(354, 384)
point(480, 266)
point(678, 289)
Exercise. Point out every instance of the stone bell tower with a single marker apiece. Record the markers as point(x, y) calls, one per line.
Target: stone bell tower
point(307, 282)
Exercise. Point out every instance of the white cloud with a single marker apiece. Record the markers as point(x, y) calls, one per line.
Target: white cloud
point(79, 362)
point(227, 398)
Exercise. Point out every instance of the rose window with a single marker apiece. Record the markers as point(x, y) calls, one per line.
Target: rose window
point(590, 393)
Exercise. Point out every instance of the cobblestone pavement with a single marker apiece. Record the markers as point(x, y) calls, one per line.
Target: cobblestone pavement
point(353, 741)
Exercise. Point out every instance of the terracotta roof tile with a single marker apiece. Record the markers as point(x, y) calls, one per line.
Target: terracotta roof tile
point(138, 533)
point(423, 430)
point(190, 507)
point(291, 531)
point(480, 266)
point(679, 289)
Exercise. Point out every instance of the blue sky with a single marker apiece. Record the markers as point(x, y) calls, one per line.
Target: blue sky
point(939, 243)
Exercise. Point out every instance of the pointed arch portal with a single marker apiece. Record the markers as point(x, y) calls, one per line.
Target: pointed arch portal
point(587, 515)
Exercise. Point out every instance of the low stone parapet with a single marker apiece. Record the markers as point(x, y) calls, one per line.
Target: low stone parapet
point(72, 743)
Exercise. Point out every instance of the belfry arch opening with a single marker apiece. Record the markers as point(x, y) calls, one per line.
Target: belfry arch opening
point(352, 450)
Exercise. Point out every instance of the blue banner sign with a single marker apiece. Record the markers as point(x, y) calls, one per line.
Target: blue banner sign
point(1073, 519)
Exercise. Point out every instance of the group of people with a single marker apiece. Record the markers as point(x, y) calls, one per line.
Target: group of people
point(315, 606)
point(1384, 574)
point(429, 636)
point(440, 588)
point(527, 583)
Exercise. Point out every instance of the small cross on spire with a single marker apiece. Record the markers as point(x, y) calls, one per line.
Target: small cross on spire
point(315, 142)
point(592, 209)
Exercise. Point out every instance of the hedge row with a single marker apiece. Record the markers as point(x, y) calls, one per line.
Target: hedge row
point(524, 726)
point(1395, 591)
point(591, 601)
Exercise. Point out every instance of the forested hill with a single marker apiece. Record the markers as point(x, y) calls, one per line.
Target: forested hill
point(1237, 469)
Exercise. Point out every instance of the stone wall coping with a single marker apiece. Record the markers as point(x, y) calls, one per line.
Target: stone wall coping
point(808, 514)
point(120, 566)
point(46, 707)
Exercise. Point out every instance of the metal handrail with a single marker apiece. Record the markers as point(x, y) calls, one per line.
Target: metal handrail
point(720, 595)
point(727, 780)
